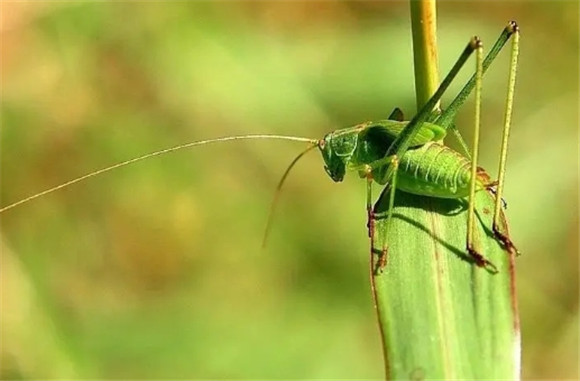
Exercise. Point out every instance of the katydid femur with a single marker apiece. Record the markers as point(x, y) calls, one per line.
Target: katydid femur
point(407, 156)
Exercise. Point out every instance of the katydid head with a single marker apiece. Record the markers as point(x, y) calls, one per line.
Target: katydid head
point(337, 149)
point(333, 164)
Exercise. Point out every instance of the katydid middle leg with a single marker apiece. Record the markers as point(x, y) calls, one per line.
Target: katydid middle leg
point(445, 119)
point(396, 115)
point(370, 217)
point(371, 220)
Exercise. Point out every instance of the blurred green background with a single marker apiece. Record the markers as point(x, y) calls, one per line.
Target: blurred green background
point(156, 271)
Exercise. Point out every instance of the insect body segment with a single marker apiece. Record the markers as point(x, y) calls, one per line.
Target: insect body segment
point(364, 147)
point(436, 170)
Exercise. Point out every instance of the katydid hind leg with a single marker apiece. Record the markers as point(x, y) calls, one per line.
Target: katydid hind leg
point(445, 119)
point(499, 230)
point(479, 259)
point(448, 115)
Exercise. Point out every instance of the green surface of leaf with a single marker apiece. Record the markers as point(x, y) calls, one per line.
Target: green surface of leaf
point(441, 316)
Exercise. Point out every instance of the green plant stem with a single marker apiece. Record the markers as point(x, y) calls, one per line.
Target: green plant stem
point(424, 28)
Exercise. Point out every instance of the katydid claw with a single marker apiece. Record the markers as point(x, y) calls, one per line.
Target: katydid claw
point(505, 241)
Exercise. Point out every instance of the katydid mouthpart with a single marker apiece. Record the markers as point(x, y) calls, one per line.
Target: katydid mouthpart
point(397, 154)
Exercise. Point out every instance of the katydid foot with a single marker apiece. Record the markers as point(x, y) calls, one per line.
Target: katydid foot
point(481, 261)
point(381, 262)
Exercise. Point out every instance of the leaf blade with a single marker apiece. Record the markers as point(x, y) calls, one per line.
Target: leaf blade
point(440, 315)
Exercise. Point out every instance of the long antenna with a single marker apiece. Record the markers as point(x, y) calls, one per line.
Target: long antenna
point(156, 153)
point(279, 189)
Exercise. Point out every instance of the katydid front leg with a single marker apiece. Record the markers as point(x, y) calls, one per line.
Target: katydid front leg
point(372, 216)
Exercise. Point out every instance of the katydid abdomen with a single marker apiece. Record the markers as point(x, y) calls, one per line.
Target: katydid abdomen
point(436, 170)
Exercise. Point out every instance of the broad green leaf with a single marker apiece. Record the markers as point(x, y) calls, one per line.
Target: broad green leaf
point(441, 316)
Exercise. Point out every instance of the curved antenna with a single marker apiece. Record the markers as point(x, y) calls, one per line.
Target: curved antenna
point(152, 154)
point(279, 189)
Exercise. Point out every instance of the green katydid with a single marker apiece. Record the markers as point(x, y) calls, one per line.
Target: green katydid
point(397, 154)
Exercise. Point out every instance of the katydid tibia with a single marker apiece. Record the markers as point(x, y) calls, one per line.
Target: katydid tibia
point(408, 156)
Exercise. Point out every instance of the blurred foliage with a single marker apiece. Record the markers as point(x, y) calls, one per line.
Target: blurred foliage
point(155, 270)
